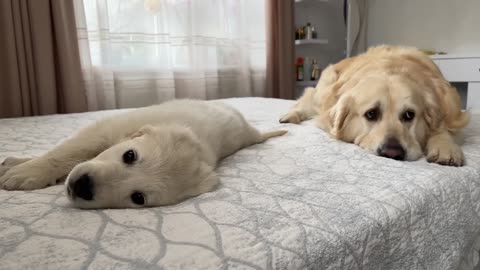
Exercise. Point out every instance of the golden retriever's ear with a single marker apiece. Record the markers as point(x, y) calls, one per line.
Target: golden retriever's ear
point(433, 114)
point(328, 92)
point(339, 114)
point(142, 131)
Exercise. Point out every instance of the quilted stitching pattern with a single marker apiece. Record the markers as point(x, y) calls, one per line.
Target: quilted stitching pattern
point(302, 201)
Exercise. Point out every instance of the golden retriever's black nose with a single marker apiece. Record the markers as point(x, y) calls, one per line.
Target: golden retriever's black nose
point(82, 187)
point(392, 149)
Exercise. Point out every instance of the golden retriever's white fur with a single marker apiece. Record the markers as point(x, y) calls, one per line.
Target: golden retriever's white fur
point(151, 156)
point(392, 101)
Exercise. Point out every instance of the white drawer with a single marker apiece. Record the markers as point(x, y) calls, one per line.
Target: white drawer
point(460, 69)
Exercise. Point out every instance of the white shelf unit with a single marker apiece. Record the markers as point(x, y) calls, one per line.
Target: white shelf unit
point(311, 41)
point(310, 1)
point(327, 18)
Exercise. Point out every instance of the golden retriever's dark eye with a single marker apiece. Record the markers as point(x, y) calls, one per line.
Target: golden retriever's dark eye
point(129, 157)
point(138, 198)
point(372, 114)
point(408, 116)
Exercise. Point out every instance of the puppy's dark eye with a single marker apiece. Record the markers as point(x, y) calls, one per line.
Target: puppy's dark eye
point(408, 116)
point(372, 114)
point(129, 157)
point(138, 198)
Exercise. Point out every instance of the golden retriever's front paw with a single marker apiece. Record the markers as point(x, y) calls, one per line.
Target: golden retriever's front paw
point(445, 154)
point(291, 117)
point(23, 177)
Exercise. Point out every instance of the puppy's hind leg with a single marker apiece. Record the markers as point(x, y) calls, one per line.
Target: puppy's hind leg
point(56, 164)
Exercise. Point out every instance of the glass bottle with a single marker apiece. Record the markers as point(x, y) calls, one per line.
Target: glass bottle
point(307, 69)
point(308, 31)
point(299, 69)
point(314, 33)
point(315, 71)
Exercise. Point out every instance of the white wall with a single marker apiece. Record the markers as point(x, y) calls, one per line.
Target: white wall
point(451, 26)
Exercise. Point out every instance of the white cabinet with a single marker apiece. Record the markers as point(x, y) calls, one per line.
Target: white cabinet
point(473, 96)
point(462, 70)
point(459, 69)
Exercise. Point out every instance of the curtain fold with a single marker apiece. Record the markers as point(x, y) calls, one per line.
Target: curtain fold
point(280, 79)
point(40, 73)
point(142, 52)
point(357, 27)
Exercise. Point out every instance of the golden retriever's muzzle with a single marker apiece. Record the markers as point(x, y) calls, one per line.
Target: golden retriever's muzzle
point(392, 148)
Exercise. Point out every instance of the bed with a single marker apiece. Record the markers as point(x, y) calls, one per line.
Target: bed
point(302, 201)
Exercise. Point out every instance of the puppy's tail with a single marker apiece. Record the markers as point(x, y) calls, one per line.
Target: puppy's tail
point(267, 135)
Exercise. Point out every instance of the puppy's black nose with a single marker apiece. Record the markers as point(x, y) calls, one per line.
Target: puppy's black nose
point(82, 187)
point(392, 149)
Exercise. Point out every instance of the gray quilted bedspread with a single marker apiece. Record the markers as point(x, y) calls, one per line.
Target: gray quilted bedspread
point(302, 201)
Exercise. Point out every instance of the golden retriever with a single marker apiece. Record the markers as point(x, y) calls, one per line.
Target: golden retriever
point(151, 156)
point(392, 101)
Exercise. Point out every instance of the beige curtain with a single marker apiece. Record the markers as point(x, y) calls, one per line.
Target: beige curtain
point(280, 77)
point(40, 71)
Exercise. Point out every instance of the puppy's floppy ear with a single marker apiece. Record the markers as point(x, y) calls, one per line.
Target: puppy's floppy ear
point(339, 114)
point(183, 134)
point(142, 131)
point(181, 147)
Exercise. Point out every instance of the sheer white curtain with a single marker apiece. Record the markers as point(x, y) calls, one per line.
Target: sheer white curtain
point(141, 52)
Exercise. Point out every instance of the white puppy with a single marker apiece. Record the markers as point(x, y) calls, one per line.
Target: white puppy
point(152, 156)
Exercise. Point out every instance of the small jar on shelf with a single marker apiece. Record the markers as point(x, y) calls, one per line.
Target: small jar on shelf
point(305, 32)
point(299, 33)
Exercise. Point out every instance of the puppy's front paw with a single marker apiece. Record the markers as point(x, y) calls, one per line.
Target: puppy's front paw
point(13, 161)
point(291, 117)
point(445, 154)
point(27, 176)
point(10, 162)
